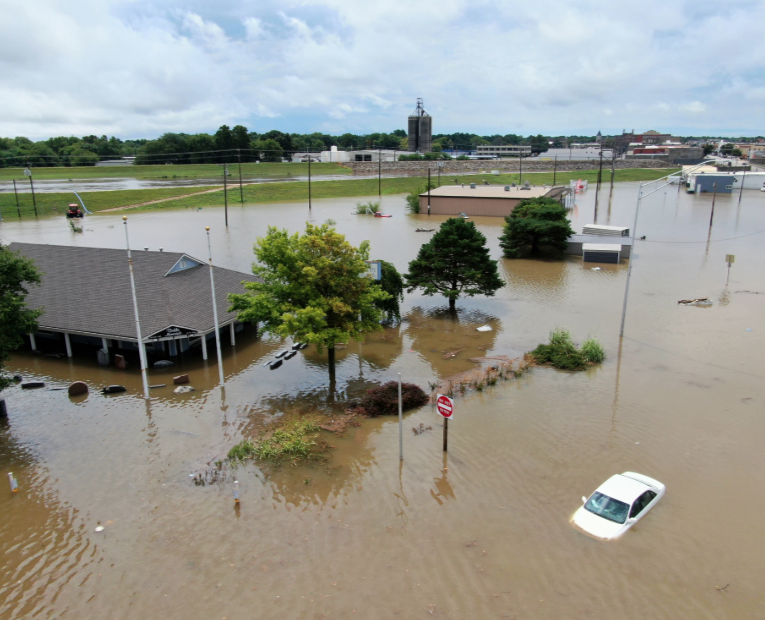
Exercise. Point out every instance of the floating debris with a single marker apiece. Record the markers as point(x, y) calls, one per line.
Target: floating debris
point(183, 389)
point(701, 301)
point(114, 389)
point(484, 328)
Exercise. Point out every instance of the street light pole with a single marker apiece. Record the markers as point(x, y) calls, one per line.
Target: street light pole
point(215, 311)
point(141, 350)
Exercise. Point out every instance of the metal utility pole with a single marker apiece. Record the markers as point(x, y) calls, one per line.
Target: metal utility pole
point(139, 342)
point(714, 197)
point(309, 179)
point(632, 259)
point(225, 191)
point(15, 193)
point(239, 159)
point(379, 174)
point(741, 189)
point(555, 168)
point(215, 311)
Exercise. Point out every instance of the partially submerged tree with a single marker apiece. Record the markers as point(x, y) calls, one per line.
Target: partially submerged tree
point(15, 318)
point(454, 262)
point(536, 227)
point(392, 283)
point(315, 289)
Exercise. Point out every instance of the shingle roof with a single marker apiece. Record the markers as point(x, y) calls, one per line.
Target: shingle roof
point(87, 290)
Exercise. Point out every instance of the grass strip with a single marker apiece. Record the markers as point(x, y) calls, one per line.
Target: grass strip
point(293, 191)
point(250, 170)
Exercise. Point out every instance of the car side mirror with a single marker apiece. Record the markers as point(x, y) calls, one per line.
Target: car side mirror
point(584, 499)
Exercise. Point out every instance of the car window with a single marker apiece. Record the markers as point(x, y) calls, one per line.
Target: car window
point(641, 502)
point(607, 507)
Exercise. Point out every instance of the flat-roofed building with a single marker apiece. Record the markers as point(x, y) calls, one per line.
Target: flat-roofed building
point(505, 150)
point(491, 200)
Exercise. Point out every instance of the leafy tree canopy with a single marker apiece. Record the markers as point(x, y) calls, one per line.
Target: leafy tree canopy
point(16, 319)
point(537, 226)
point(454, 262)
point(393, 284)
point(314, 288)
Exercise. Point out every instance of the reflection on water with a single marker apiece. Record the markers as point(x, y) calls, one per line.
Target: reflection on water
point(481, 532)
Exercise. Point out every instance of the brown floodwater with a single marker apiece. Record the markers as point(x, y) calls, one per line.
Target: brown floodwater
point(481, 533)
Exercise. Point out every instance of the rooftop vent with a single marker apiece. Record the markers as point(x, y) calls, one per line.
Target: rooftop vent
point(472, 186)
point(507, 188)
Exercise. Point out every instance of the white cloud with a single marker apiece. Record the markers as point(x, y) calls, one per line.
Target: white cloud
point(141, 67)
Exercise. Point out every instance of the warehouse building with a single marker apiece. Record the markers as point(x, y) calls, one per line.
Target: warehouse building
point(491, 200)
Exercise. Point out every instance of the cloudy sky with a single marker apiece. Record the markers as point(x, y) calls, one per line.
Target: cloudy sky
point(138, 68)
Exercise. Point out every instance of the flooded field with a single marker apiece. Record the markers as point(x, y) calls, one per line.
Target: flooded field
point(481, 533)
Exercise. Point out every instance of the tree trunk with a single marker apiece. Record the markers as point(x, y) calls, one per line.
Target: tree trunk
point(331, 360)
point(452, 304)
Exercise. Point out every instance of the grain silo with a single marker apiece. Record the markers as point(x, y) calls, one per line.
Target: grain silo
point(420, 130)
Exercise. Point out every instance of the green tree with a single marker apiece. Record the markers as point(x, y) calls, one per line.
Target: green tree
point(708, 148)
point(737, 153)
point(454, 262)
point(413, 197)
point(313, 289)
point(391, 283)
point(536, 226)
point(270, 150)
point(15, 318)
point(80, 156)
point(539, 143)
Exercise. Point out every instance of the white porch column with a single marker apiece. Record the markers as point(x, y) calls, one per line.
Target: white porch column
point(32, 341)
point(204, 346)
point(233, 335)
point(68, 345)
point(105, 344)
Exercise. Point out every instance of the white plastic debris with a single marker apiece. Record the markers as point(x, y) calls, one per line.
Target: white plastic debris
point(183, 389)
point(100, 528)
point(484, 328)
point(595, 269)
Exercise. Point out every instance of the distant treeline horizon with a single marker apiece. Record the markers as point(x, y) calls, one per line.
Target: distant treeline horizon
point(271, 146)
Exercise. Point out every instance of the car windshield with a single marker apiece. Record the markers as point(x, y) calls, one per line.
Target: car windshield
point(607, 507)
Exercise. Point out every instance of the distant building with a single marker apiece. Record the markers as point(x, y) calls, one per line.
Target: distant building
point(507, 150)
point(420, 130)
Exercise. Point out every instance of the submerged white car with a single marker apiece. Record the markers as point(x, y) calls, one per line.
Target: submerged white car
point(617, 504)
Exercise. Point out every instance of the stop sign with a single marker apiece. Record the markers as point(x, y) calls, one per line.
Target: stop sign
point(445, 406)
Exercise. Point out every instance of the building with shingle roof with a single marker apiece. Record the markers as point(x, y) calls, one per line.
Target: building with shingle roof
point(85, 295)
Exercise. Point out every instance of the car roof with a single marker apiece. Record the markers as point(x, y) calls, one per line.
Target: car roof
point(623, 488)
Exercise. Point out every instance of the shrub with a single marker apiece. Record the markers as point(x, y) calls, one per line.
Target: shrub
point(562, 353)
point(293, 439)
point(383, 400)
point(592, 351)
point(370, 207)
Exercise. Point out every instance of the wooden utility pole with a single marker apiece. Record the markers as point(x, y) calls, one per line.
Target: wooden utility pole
point(17, 198)
point(428, 190)
point(309, 179)
point(239, 159)
point(555, 168)
point(379, 174)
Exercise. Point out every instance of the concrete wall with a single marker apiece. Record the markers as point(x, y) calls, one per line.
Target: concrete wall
point(416, 168)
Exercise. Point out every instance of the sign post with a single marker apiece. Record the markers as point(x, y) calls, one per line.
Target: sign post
point(445, 408)
point(730, 259)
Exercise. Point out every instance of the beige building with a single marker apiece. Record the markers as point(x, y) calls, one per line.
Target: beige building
point(491, 200)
